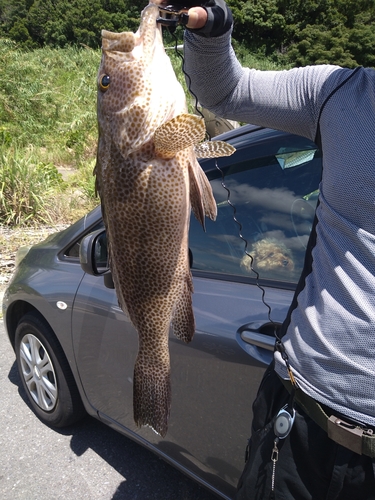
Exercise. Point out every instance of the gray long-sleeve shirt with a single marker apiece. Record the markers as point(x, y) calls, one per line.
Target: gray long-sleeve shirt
point(330, 339)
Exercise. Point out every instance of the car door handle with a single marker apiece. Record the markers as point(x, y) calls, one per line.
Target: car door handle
point(259, 334)
point(258, 339)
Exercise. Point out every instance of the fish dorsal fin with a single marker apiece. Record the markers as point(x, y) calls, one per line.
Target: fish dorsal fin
point(179, 133)
point(213, 149)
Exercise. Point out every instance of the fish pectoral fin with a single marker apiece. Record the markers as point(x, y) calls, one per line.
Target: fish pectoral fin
point(201, 198)
point(179, 133)
point(183, 322)
point(213, 149)
point(152, 395)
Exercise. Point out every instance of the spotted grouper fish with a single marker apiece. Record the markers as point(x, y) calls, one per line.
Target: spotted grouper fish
point(148, 179)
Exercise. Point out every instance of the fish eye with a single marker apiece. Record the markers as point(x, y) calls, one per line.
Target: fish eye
point(104, 82)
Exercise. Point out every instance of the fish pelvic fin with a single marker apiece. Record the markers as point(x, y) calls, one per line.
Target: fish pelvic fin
point(214, 149)
point(183, 322)
point(179, 133)
point(152, 396)
point(201, 197)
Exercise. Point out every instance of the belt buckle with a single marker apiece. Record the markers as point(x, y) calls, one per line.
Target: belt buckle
point(346, 434)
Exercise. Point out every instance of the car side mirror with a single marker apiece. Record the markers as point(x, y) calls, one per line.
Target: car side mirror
point(93, 253)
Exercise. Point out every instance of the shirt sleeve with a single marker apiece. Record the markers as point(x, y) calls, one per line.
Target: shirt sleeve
point(288, 100)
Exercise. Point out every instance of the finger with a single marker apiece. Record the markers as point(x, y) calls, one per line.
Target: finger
point(197, 18)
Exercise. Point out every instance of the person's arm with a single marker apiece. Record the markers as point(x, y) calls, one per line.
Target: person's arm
point(285, 100)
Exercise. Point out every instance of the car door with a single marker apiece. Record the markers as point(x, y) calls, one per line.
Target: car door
point(266, 195)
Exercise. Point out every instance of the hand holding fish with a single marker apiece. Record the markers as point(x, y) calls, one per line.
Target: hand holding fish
point(208, 19)
point(197, 18)
point(197, 15)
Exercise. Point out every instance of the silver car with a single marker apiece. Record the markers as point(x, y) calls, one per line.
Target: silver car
point(75, 348)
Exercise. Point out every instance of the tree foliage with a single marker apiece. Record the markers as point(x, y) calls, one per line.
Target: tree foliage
point(308, 31)
point(35, 23)
point(298, 31)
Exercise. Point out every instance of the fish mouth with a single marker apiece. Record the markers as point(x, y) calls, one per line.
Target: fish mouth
point(110, 35)
point(118, 42)
point(148, 32)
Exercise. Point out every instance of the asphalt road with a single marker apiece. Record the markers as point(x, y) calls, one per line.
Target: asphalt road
point(88, 461)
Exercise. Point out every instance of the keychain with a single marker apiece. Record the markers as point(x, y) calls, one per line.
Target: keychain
point(284, 422)
point(283, 425)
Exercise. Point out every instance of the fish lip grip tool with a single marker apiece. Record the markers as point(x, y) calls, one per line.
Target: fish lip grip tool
point(171, 15)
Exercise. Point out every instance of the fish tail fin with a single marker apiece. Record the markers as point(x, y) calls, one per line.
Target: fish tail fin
point(183, 322)
point(152, 396)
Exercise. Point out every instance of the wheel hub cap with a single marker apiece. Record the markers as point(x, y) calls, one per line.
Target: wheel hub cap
point(38, 372)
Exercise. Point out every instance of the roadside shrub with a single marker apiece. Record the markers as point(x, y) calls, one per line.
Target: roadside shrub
point(27, 190)
point(83, 183)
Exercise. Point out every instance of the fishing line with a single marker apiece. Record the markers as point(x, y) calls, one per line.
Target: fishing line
point(279, 346)
point(178, 53)
point(257, 275)
point(223, 184)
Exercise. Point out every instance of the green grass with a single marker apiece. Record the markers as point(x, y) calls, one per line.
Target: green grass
point(47, 122)
point(47, 101)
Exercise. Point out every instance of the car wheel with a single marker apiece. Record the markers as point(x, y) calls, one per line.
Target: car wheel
point(45, 373)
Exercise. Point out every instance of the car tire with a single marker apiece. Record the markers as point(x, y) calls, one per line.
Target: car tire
point(45, 373)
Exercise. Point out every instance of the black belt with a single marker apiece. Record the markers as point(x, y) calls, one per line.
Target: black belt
point(356, 438)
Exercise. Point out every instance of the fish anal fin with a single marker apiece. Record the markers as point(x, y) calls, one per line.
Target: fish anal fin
point(179, 133)
point(214, 149)
point(152, 396)
point(183, 322)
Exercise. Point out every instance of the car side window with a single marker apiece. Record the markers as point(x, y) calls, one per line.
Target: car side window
point(73, 250)
point(275, 197)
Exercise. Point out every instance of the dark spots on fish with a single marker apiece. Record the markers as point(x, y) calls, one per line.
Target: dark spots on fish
point(152, 394)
